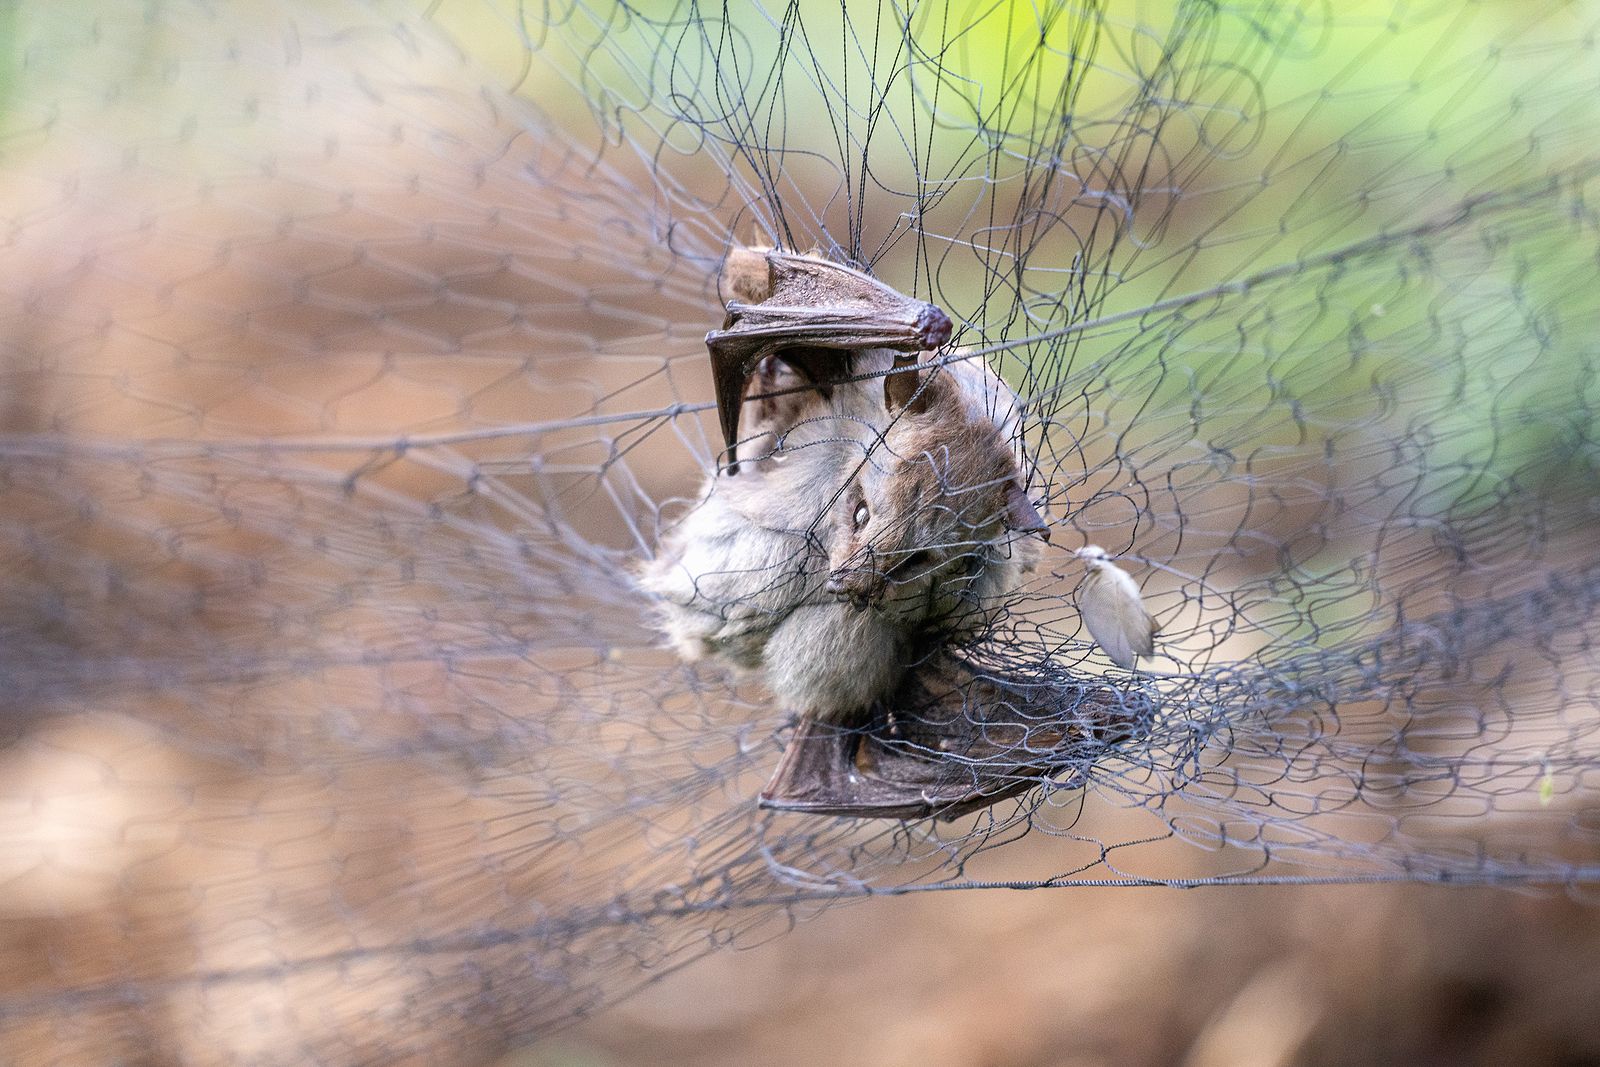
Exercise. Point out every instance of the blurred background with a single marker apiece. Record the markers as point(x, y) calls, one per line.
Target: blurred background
point(352, 361)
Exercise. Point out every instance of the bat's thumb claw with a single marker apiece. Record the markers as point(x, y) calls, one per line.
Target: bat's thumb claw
point(933, 326)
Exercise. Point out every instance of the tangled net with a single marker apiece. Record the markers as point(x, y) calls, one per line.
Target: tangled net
point(354, 362)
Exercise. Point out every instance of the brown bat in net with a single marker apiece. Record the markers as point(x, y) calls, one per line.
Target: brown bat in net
point(880, 520)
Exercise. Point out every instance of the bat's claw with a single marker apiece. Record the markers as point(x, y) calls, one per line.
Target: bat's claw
point(933, 326)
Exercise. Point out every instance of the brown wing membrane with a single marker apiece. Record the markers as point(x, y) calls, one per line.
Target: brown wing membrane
point(954, 739)
point(812, 303)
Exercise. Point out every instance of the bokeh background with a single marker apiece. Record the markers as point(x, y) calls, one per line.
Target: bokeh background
point(352, 360)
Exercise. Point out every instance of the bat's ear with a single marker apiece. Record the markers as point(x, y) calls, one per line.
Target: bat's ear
point(746, 276)
point(902, 390)
point(1021, 515)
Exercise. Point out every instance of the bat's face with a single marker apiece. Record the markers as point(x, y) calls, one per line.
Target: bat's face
point(934, 520)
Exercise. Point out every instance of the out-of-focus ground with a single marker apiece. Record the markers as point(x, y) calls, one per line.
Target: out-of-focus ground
point(1233, 977)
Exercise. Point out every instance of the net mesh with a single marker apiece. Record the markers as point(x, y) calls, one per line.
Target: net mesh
point(353, 360)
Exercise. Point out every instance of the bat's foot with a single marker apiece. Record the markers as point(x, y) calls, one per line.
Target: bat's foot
point(822, 773)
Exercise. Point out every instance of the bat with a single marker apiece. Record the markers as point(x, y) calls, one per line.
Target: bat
point(884, 519)
point(773, 573)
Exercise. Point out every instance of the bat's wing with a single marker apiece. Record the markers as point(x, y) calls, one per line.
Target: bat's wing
point(807, 303)
point(955, 738)
point(733, 357)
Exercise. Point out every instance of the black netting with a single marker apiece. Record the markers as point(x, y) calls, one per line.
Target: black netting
point(353, 366)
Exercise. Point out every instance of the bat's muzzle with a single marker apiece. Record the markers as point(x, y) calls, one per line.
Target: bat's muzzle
point(861, 585)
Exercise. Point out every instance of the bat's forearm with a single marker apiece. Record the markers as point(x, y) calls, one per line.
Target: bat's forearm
point(800, 303)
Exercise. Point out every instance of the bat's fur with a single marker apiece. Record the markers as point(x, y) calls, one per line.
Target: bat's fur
point(771, 573)
point(941, 494)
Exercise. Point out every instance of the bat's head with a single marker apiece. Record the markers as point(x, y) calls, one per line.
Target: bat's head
point(937, 521)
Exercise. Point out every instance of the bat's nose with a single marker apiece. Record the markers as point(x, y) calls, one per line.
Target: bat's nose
point(859, 585)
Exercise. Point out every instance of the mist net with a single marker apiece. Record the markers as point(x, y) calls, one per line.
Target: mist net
point(354, 365)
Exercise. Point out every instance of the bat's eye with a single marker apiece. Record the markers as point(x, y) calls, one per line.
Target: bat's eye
point(861, 515)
